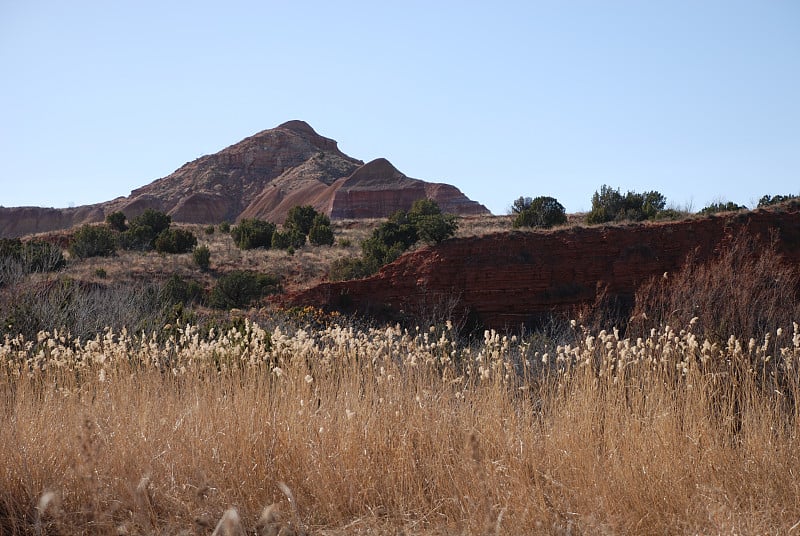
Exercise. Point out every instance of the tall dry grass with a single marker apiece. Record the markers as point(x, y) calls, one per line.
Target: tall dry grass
point(381, 431)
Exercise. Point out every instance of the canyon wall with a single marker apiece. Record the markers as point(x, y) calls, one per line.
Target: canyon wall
point(506, 280)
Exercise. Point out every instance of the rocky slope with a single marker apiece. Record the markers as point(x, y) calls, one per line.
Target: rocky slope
point(262, 176)
point(505, 280)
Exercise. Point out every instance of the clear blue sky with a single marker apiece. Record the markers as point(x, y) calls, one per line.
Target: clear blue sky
point(697, 99)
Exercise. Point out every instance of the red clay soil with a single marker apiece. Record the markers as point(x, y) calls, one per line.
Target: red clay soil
point(506, 280)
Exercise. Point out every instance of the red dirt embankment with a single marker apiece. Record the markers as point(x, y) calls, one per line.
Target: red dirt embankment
point(504, 280)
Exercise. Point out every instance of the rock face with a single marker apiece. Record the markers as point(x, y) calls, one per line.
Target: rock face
point(505, 280)
point(262, 176)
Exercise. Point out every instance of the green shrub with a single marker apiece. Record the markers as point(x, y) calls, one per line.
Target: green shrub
point(390, 239)
point(520, 204)
point(321, 233)
point(137, 237)
point(351, 268)
point(101, 273)
point(202, 257)
point(93, 241)
point(41, 256)
point(178, 290)
point(345, 242)
point(542, 212)
point(253, 233)
point(17, 259)
point(116, 220)
point(175, 241)
point(224, 227)
point(241, 288)
point(209, 230)
point(436, 228)
point(155, 220)
point(610, 205)
point(144, 230)
point(713, 208)
point(769, 200)
point(300, 219)
point(291, 238)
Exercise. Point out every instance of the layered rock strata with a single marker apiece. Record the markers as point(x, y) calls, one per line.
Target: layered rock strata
point(262, 176)
point(507, 280)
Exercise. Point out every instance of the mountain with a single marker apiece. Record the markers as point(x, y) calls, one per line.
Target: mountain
point(262, 176)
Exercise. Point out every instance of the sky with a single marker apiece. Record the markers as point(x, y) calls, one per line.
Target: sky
point(699, 100)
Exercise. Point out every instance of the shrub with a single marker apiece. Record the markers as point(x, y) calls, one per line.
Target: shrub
point(155, 220)
point(93, 241)
point(40, 256)
point(202, 257)
point(345, 242)
point(321, 233)
point(101, 273)
point(351, 268)
point(436, 228)
point(178, 290)
point(540, 212)
point(390, 239)
point(610, 205)
point(300, 218)
point(209, 230)
point(769, 200)
point(17, 259)
point(241, 288)
point(175, 241)
point(713, 208)
point(224, 227)
point(253, 233)
point(520, 204)
point(747, 290)
point(291, 238)
point(137, 237)
point(116, 220)
point(144, 230)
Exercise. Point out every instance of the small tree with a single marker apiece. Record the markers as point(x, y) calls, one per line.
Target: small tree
point(300, 218)
point(713, 208)
point(92, 241)
point(540, 212)
point(241, 288)
point(252, 233)
point(202, 257)
point(321, 233)
point(521, 204)
point(116, 220)
point(769, 200)
point(436, 228)
point(291, 238)
point(155, 220)
point(610, 205)
point(175, 241)
point(144, 229)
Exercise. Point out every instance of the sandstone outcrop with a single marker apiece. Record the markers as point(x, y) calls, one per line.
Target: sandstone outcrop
point(262, 176)
point(506, 280)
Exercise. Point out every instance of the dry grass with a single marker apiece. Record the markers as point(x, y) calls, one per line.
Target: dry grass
point(347, 431)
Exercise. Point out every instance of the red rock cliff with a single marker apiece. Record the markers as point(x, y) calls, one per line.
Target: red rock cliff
point(508, 279)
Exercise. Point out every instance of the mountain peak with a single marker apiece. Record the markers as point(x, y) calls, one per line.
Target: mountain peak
point(262, 176)
point(299, 126)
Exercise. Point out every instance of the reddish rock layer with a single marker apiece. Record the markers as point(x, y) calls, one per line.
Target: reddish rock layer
point(262, 176)
point(505, 280)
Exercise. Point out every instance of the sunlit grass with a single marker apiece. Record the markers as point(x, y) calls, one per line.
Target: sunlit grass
point(376, 430)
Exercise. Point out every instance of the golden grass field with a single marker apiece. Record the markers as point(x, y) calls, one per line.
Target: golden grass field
point(384, 431)
point(314, 423)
